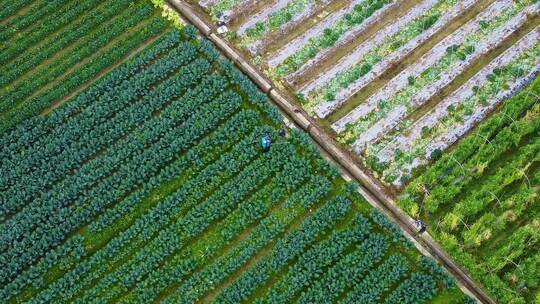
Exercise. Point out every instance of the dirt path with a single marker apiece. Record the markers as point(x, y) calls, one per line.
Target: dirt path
point(370, 188)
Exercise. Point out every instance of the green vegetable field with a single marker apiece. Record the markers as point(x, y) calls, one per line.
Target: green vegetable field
point(73, 43)
point(132, 172)
point(482, 199)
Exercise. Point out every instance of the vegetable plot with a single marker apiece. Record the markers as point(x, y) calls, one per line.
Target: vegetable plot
point(481, 199)
point(65, 45)
point(393, 79)
point(150, 185)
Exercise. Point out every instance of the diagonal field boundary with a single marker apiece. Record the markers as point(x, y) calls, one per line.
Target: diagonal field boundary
point(369, 187)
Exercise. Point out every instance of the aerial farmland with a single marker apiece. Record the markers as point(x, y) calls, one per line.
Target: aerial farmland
point(436, 99)
point(278, 151)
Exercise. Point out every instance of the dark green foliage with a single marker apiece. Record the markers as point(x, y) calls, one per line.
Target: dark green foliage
point(150, 185)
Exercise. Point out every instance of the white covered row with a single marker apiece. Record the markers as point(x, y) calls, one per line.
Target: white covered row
point(491, 42)
point(406, 140)
point(342, 41)
point(324, 109)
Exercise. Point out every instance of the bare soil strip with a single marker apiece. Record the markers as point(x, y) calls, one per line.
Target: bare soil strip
point(276, 40)
point(413, 57)
point(241, 13)
point(404, 140)
point(390, 121)
point(262, 16)
point(334, 55)
point(311, 32)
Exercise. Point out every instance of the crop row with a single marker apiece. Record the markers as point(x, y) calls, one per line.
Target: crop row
point(122, 179)
point(91, 172)
point(211, 210)
point(151, 185)
point(497, 215)
point(97, 169)
point(311, 263)
point(399, 38)
point(285, 250)
point(261, 235)
point(161, 214)
point(410, 92)
point(274, 20)
point(38, 129)
point(72, 33)
point(461, 111)
point(101, 228)
point(194, 102)
point(35, 130)
point(106, 33)
point(55, 21)
point(94, 138)
point(83, 74)
point(18, 24)
point(10, 8)
point(329, 36)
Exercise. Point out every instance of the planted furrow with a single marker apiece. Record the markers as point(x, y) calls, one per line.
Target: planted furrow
point(517, 67)
point(25, 22)
point(247, 213)
point(11, 8)
point(359, 68)
point(193, 223)
point(370, 289)
point(35, 129)
point(153, 221)
point(347, 271)
point(295, 67)
point(122, 179)
point(313, 262)
point(364, 124)
point(59, 19)
point(261, 235)
point(65, 41)
point(106, 33)
point(289, 15)
point(87, 71)
point(285, 250)
point(354, 57)
point(90, 139)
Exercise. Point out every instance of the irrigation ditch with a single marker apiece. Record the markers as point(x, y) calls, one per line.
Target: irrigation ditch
point(373, 191)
